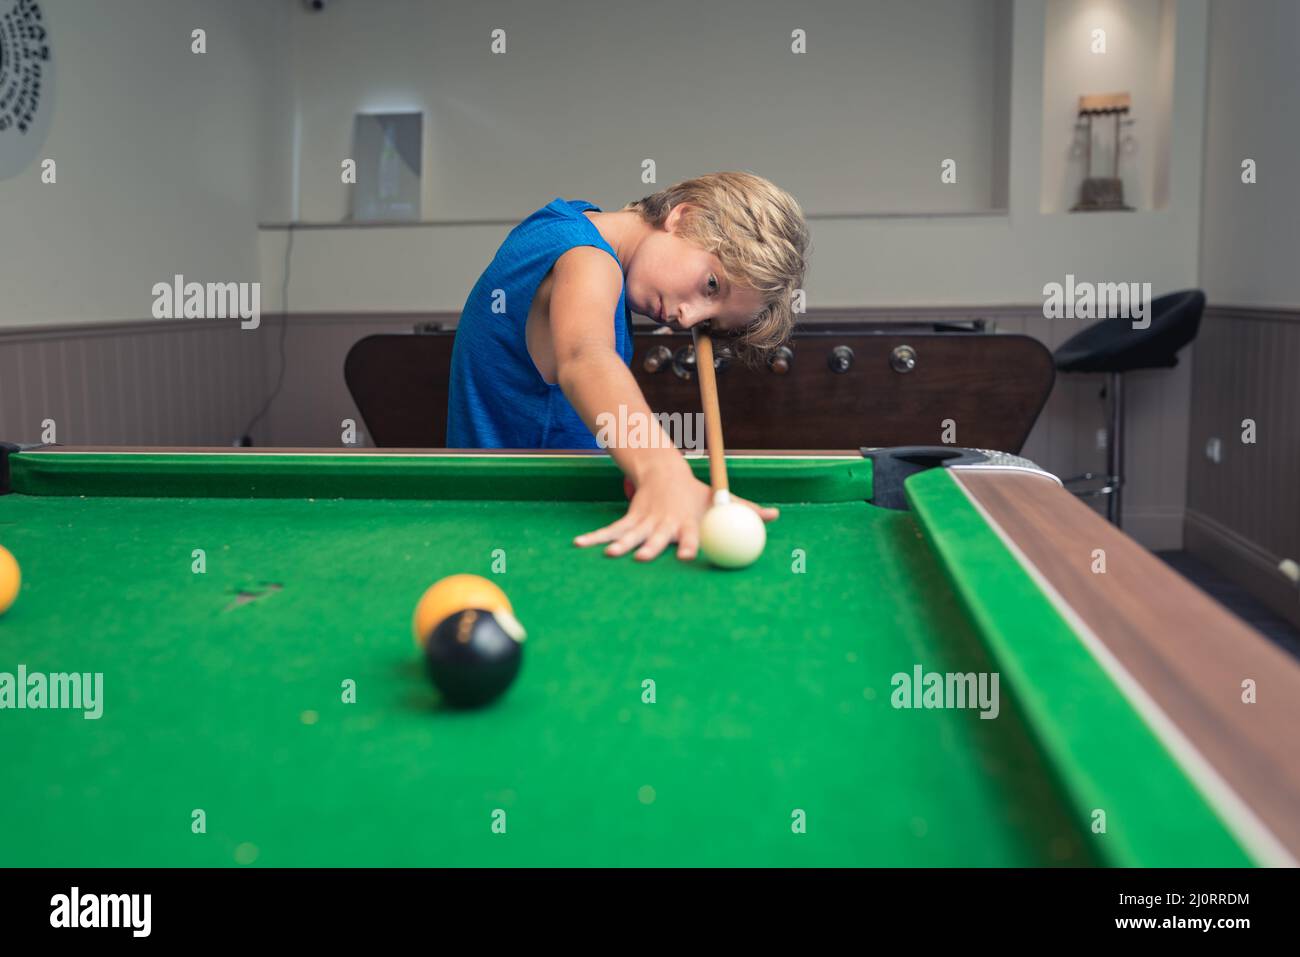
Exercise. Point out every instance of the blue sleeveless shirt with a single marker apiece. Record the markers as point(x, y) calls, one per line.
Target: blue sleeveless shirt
point(498, 399)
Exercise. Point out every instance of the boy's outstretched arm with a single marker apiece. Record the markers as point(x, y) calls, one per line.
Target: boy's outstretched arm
point(669, 501)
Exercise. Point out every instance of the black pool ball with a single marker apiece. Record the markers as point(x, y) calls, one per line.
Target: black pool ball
point(474, 655)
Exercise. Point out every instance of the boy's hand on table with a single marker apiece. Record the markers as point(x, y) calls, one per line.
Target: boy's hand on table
point(666, 507)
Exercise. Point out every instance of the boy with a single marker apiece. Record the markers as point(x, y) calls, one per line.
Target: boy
point(544, 341)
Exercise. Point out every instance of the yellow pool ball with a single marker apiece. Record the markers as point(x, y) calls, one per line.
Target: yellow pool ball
point(10, 578)
point(453, 594)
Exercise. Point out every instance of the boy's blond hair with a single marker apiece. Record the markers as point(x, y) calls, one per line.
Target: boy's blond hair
point(756, 230)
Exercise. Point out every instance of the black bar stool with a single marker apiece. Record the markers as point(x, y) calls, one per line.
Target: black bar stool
point(1114, 347)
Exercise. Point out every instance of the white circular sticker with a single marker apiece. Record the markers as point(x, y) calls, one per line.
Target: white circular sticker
point(26, 84)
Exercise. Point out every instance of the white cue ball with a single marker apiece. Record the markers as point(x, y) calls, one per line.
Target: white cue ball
point(732, 535)
point(1290, 568)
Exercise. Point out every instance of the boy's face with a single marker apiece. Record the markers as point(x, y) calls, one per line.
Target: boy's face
point(679, 285)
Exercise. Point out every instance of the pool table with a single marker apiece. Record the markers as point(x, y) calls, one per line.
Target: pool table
point(942, 658)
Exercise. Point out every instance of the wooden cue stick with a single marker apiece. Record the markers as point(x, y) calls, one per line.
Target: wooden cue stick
point(712, 410)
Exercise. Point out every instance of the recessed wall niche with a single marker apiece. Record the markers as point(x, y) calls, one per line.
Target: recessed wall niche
point(1107, 47)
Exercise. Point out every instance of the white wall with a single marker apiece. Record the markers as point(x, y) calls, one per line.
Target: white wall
point(877, 260)
point(588, 89)
point(1250, 247)
point(166, 160)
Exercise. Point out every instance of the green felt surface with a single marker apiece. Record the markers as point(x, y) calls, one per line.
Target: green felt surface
point(772, 684)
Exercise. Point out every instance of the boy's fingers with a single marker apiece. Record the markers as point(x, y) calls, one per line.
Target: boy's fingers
point(766, 513)
point(688, 544)
point(654, 545)
point(629, 540)
point(602, 535)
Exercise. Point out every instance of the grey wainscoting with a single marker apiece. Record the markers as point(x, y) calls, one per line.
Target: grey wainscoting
point(1243, 513)
point(153, 382)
